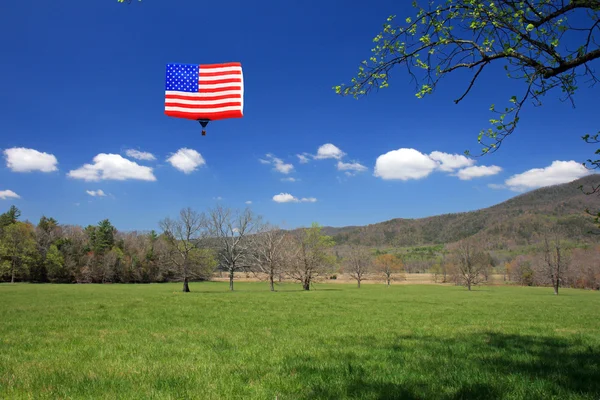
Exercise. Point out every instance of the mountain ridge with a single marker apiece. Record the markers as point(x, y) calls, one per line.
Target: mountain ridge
point(514, 221)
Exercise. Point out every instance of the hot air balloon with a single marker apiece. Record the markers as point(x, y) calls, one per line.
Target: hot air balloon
point(204, 92)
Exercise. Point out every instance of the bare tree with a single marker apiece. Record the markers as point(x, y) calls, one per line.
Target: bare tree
point(505, 267)
point(555, 257)
point(488, 263)
point(309, 257)
point(444, 267)
point(109, 264)
point(269, 256)
point(73, 250)
point(134, 266)
point(584, 268)
point(470, 263)
point(358, 263)
point(231, 231)
point(435, 270)
point(521, 271)
point(182, 236)
point(388, 265)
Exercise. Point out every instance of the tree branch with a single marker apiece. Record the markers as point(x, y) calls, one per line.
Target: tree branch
point(481, 67)
point(589, 4)
point(568, 65)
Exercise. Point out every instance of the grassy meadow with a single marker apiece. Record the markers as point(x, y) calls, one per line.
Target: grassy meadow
point(335, 342)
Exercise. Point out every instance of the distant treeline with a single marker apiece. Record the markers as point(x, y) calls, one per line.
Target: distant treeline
point(195, 245)
point(188, 248)
point(50, 252)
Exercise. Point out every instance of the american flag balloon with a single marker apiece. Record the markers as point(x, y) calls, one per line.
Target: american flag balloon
point(205, 92)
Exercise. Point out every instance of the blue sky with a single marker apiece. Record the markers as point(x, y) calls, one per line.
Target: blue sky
point(84, 78)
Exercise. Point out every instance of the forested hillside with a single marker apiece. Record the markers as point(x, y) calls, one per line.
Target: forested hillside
point(512, 223)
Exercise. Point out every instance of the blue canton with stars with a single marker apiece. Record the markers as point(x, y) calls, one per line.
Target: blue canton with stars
point(182, 77)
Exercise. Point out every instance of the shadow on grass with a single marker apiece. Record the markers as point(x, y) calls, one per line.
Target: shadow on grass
point(481, 366)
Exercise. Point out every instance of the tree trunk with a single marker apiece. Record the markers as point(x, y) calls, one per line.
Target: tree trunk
point(469, 284)
point(358, 281)
point(271, 283)
point(558, 265)
point(306, 284)
point(388, 281)
point(186, 287)
point(231, 280)
point(12, 273)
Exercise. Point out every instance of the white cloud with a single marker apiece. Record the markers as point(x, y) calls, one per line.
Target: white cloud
point(278, 163)
point(249, 202)
point(450, 162)
point(94, 193)
point(112, 167)
point(20, 159)
point(282, 167)
point(328, 150)
point(353, 166)
point(303, 158)
point(404, 164)
point(554, 174)
point(186, 160)
point(289, 179)
point(8, 194)
point(218, 198)
point(496, 186)
point(140, 155)
point(288, 198)
point(284, 198)
point(469, 173)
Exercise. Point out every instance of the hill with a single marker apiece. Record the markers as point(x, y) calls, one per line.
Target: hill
point(513, 222)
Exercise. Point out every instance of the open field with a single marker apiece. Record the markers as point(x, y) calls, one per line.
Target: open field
point(406, 341)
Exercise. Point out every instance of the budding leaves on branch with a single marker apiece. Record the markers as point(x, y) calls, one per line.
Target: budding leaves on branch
point(526, 37)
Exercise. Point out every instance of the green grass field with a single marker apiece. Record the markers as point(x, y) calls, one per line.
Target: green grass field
point(336, 342)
